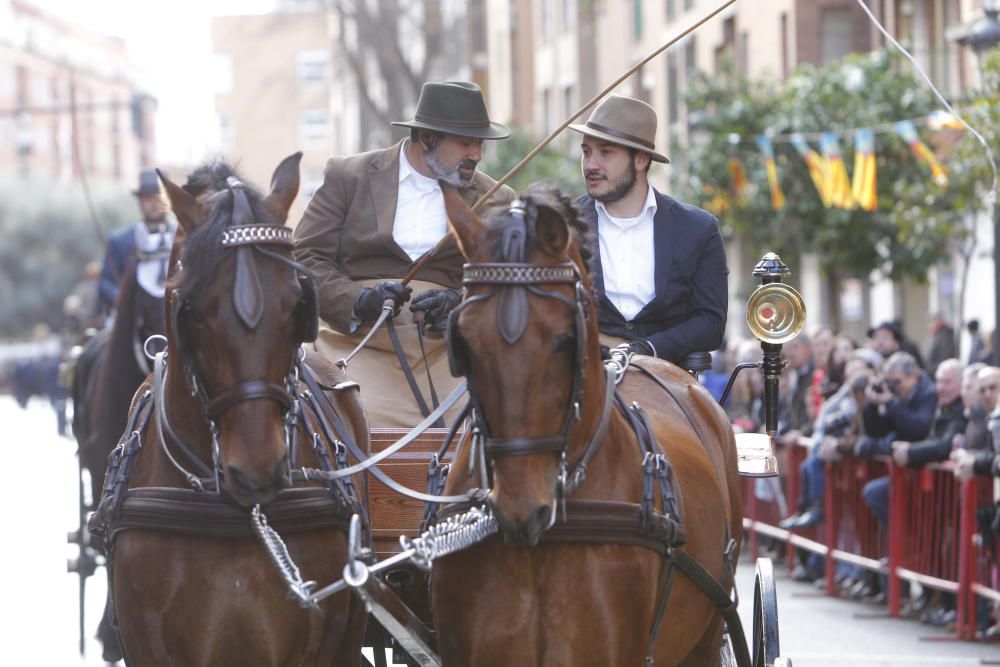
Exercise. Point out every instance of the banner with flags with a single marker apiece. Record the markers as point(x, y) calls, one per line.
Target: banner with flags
point(908, 131)
point(777, 195)
point(865, 186)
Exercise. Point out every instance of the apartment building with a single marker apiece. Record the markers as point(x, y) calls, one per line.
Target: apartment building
point(579, 47)
point(276, 93)
point(69, 102)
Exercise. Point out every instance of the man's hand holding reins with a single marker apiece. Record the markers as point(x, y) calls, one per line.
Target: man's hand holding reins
point(436, 304)
point(369, 304)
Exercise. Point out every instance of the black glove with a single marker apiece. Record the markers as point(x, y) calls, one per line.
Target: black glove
point(640, 346)
point(369, 305)
point(436, 304)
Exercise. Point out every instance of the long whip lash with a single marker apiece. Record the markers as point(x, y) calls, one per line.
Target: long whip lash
point(422, 260)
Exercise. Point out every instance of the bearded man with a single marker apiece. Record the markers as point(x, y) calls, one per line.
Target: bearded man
point(374, 215)
point(659, 270)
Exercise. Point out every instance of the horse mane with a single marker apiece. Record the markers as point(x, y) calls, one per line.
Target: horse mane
point(201, 249)
point(543, 195)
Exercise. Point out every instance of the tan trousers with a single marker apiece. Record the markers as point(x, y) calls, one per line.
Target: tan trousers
point(385, 393)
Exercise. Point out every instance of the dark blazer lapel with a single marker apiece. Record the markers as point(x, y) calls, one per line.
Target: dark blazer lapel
point(664, 243)
point(384, 182)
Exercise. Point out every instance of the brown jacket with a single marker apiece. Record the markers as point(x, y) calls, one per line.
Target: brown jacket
point(345, 235)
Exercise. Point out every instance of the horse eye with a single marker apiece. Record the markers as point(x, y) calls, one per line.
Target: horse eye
point(564, 343)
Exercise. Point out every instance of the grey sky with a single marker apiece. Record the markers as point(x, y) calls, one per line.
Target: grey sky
point(170, 43)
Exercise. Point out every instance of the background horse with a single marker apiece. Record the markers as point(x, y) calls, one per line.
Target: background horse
point(110, 369)
point(238, 314)
point(526, 351)
point(108, 372)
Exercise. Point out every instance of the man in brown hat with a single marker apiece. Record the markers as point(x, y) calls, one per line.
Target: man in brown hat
point(659, 269)
point(376, 213)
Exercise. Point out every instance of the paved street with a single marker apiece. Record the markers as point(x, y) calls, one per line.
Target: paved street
point(39, 601)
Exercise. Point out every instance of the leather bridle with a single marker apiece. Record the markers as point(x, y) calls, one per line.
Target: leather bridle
point(512, 281)
point(245, 237)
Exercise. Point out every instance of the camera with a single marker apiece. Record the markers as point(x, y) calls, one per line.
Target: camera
point(837, 424)
point(878, 386)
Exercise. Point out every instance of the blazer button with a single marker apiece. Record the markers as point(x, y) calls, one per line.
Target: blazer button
point(628, 325)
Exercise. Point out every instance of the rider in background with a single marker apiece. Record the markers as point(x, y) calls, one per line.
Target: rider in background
point(149, 238)
point(374, 215)
point(659, 273)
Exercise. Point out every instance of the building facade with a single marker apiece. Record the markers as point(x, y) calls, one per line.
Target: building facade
point(69, 102)
point(580, 46)
point(275, 94)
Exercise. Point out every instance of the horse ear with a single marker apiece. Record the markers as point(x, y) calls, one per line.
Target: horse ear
point(284, 188)
point(465, 225)
point(552, 232)
point(190, 213)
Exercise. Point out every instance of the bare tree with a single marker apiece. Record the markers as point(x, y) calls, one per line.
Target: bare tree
point(391, 47)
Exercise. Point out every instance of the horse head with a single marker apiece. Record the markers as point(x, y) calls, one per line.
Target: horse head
point(238, 309)
point(526, 338)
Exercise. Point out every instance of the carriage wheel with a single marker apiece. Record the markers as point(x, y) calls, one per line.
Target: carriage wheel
point(765, 616)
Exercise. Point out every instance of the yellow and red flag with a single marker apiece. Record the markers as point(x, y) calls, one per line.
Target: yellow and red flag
point(865, 189)
point(838, 187)
point(816, 165)
point(908, 131)
point(767, 149)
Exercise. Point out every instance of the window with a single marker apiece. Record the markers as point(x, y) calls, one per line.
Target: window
point(315, 128)
point(637, 18)
point(568, 100)
point(688, 4)
point(568, 11)
point(835, 34)
point(673, 106)
point(671, 9)
point(226, 131)
point(546, 24)
point(547, 110)
point(784, 45)
point(222, 73)
point(312, 66)
point(690, 59)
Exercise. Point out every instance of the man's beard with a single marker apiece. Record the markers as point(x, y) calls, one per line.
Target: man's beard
point(452, 176)
point(621, 188)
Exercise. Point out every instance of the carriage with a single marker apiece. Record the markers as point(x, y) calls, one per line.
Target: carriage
point(186, 505)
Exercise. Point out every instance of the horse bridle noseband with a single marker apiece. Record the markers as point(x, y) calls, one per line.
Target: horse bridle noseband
point(513, 280)
point(247, 237)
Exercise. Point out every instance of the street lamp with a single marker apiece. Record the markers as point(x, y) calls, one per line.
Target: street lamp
point(982, 35)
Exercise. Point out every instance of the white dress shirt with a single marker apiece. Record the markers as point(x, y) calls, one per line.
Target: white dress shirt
point(627, 257)
point(420, 220)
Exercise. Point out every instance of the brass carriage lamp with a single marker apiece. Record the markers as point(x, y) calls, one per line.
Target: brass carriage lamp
point(776, 314)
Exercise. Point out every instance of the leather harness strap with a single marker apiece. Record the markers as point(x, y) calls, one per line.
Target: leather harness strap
point(247, 391)
point(404, 364)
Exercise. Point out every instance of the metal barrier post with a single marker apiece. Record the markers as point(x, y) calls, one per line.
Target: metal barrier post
point(832, 511)
point(965, 599)
point(793, 484)
point(897, 518)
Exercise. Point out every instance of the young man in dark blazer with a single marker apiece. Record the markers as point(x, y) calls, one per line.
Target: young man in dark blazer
point(659, 267)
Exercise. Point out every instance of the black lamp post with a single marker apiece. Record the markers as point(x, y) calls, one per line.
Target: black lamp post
point(981, 36)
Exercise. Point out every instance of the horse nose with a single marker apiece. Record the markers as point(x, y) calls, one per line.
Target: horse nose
point(528, 531)
point(249, 490)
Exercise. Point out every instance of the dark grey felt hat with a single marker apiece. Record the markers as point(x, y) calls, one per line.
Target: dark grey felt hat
point(454, 107)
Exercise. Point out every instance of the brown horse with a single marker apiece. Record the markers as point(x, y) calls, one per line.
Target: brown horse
point(526, 337)
point(187, 592)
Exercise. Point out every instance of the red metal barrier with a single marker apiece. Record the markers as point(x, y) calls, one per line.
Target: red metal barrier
point(933, 537)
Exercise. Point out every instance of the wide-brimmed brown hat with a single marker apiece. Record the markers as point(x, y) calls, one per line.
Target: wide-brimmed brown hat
point(455, 107)
point(624, 121)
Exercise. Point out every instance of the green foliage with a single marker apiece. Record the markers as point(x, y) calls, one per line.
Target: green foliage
point(558, 164)
point(48, 238)
point(915, 225)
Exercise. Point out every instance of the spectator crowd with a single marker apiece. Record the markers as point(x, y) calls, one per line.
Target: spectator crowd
point(880, 397)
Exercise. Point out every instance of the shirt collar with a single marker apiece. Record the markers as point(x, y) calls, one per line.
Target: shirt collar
point(406, 171)
point(649, 207)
